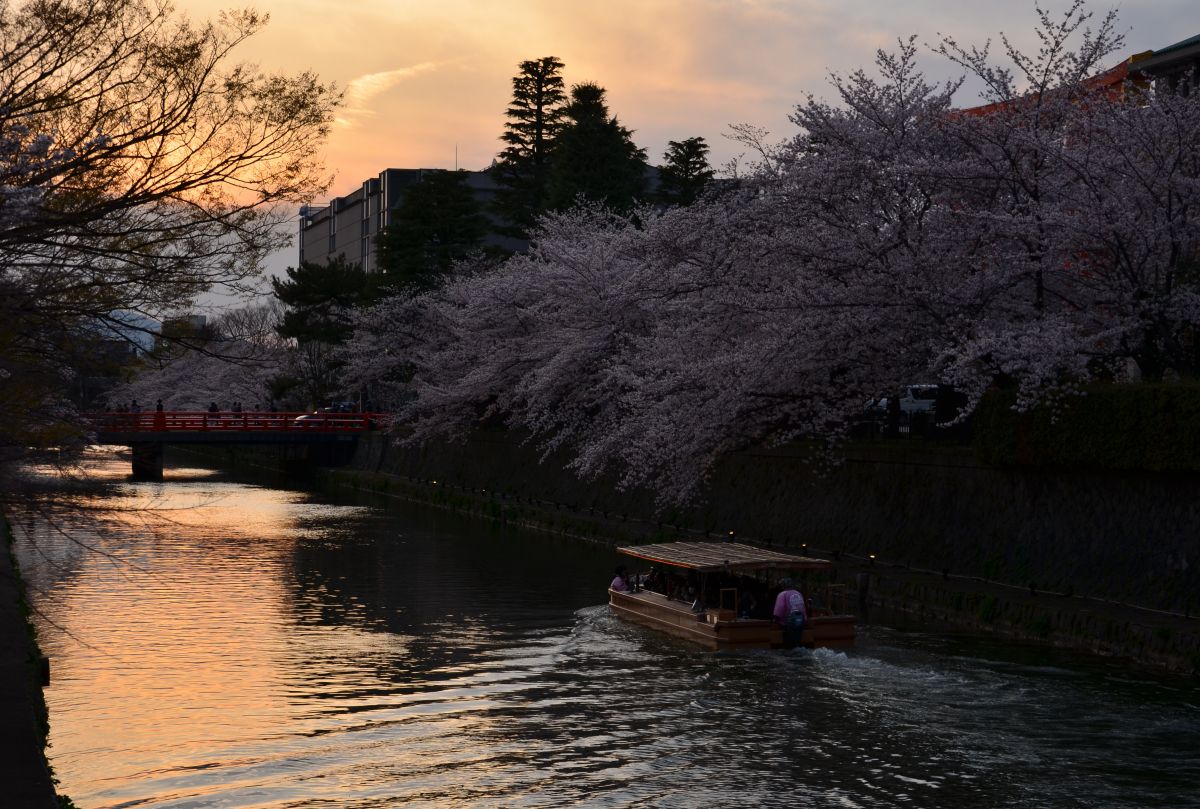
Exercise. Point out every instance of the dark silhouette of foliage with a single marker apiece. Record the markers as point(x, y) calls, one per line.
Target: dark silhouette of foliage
point(318, 297)
point(438, 223)
point(685, 172)
point(595, 157)
point(535, 118)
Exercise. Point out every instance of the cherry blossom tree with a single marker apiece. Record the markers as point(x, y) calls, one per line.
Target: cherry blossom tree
point(491, 343)
point(238, 361)
point(1045, 239)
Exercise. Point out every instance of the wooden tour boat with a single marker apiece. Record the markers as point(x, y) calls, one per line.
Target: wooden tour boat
point(719, 573)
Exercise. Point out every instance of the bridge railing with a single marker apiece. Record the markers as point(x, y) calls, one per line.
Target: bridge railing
point(204, 421)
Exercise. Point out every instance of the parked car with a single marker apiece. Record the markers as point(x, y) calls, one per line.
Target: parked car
point(332, 415)
point(322, 414)
point(912, 399)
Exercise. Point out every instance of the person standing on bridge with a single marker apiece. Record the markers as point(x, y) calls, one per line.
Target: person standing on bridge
point(160, 418)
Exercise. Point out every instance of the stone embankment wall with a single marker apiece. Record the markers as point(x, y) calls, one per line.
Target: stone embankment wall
point(1124, 537)
point(1103, 562)
point(1098, 562)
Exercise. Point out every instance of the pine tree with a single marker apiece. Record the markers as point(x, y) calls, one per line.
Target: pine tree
point(319, 299)
point(685, 173)
point(439, 222)
point(535, 117)
point(595, 157)
point(318, 296)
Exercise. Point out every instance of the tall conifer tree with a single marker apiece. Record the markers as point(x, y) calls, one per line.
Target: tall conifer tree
point(535, 117)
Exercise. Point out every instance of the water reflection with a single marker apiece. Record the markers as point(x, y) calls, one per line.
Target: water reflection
point(256, 647)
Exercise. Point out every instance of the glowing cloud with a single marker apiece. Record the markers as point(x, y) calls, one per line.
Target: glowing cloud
point(362, 89)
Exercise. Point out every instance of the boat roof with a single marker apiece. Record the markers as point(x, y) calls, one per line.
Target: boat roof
point(707, 557)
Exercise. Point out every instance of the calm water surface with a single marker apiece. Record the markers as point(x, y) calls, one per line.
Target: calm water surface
point(222, 644)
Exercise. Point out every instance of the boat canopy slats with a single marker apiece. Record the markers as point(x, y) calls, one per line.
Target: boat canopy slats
point(717, 556)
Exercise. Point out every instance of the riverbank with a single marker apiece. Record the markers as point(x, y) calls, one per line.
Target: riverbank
point(24, 771)
point(899, 593)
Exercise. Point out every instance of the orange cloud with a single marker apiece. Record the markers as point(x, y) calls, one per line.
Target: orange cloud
point(362, 90)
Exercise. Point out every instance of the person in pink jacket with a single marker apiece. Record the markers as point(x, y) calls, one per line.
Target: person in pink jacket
point(789, 611)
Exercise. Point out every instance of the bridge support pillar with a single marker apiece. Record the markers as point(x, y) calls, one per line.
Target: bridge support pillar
point(147, 461)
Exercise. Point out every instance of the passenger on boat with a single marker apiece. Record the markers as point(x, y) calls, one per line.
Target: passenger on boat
point(618, 582)
point(789, 611)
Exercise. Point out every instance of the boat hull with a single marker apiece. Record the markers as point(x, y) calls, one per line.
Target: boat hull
point(719, 630)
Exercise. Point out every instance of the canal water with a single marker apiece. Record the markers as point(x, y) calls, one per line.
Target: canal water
point(217, 643)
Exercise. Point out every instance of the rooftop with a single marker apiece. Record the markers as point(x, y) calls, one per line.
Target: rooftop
point(710, 557)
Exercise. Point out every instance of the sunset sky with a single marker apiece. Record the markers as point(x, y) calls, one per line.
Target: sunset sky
point(423, 77)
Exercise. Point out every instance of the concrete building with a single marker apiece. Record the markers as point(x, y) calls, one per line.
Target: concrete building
point(347, 225)
point(1174, 68)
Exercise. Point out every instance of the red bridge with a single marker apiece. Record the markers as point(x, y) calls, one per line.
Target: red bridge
point(148, 433)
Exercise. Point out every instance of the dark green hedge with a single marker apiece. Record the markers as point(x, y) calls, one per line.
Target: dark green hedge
point(1148, 427)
